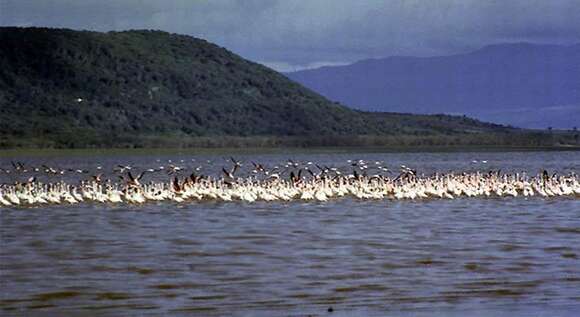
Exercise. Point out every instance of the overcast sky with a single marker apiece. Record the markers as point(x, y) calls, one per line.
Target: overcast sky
point(295, 34)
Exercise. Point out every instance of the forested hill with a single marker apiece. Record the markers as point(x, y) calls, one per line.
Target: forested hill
point(68, 88)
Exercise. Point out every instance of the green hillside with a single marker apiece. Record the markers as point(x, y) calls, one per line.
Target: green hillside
point(65, 88)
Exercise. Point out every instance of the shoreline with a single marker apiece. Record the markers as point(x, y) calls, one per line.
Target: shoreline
point(7, 153)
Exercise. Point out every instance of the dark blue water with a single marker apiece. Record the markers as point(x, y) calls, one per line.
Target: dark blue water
point(476, 257)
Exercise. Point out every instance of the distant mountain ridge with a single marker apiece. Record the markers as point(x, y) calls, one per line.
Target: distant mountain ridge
point(523, 84)
point(66, 88)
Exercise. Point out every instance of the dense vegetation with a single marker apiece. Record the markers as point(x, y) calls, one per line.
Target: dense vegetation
point(64, 88)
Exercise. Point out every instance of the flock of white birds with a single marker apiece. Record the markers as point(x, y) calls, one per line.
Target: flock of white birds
point(290, 181)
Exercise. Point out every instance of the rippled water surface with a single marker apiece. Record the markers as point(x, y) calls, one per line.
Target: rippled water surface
point(407, 258)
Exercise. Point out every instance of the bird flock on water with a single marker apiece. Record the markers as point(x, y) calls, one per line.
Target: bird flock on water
point(289, 181)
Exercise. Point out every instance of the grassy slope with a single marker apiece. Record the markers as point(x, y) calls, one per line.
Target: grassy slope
point(152, 89)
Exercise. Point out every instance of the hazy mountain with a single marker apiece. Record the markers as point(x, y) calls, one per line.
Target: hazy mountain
point(522, 84)
point(72, 88)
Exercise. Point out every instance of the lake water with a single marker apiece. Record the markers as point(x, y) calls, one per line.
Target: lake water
point(476, 257)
